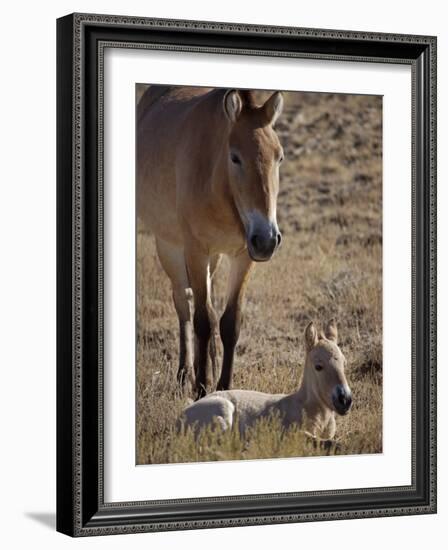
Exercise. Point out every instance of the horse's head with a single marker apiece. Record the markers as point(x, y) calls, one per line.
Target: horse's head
point(324, 368)
point(254, 154)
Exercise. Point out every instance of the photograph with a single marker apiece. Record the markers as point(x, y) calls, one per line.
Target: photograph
point(259, 290)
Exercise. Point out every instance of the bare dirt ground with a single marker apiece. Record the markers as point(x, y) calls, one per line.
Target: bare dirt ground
point(329, 265)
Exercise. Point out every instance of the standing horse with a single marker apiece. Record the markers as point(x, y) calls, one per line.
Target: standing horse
point(208, 177)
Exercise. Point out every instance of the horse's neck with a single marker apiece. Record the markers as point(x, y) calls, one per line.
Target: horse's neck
point(218, 156)
point(219, 191)
point(312, 404)
point(291, 406)
point(302, 408)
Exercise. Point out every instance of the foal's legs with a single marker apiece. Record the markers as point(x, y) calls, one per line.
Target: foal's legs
point(231, 320)
point(173, 262)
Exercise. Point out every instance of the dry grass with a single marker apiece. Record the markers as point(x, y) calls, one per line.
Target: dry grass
point(329, 211)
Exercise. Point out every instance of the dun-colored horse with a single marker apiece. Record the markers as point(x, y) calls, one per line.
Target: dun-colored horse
point(208, 176)
point(323, 392)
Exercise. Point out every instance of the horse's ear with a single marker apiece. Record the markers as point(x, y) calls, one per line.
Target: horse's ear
point(273, 107)
point(233, 105)
point(331, 331)
point(310, 336)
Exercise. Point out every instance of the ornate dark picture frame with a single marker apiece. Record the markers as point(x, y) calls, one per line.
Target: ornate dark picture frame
point(81, 509)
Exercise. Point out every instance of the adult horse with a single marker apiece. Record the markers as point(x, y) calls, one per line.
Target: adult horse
point(207, 184)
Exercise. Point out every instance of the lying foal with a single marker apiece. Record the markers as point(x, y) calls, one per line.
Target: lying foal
point(323, 391)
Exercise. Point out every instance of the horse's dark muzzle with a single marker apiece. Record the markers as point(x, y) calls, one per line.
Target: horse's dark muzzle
point(342, 400)
point(262, 247)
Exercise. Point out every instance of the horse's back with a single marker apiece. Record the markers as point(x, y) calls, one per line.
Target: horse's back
point(150, 97)
point(167, 98)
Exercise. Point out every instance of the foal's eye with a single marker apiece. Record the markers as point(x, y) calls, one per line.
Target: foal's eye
point(319, 367)
point(235, 158)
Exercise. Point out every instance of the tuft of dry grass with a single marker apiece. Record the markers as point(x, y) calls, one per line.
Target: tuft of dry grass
point(329, 265)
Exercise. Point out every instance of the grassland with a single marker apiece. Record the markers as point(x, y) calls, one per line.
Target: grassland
point(329, 265)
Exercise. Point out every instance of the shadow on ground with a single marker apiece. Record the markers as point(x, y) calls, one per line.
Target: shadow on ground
point(47, 519)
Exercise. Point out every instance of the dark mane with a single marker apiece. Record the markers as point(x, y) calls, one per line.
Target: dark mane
point(152, 94)
point(248, 98)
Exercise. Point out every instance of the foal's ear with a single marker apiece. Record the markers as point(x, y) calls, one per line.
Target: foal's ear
point(331, 331)
point(310, 336)
point(233, 105)
point(273, 107)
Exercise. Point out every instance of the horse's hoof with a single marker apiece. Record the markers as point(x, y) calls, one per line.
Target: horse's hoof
point(337, 448)
point(331, 445)
point(185, 382)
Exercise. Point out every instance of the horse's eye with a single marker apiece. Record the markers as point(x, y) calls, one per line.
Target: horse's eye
point(319, 367)
point(235, 158)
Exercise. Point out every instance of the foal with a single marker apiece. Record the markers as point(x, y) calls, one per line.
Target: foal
point(323, 392)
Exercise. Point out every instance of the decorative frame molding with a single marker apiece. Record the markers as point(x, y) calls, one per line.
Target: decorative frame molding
point(81, 510)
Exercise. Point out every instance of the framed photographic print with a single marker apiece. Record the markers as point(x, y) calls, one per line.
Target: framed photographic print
point(246, 274)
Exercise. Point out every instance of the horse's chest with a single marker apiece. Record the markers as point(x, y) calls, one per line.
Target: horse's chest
point(230, 242)
point(219, 236)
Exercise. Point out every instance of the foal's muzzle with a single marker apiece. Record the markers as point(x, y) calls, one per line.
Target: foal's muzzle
point(262, 243)
point(342, 399)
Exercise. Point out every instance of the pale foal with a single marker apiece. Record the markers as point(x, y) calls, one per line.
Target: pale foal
point(323, 392)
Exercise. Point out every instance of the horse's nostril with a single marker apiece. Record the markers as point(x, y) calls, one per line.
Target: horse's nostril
point(279, 238)
point(342, 400)
point(254, 241)
point(263, 246)
point(345, 400)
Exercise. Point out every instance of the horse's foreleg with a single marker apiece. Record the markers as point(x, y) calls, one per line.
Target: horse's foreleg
point(172, 260)
point(183, 302)
point(198, 267)
point(214, 264)
point(231, 320)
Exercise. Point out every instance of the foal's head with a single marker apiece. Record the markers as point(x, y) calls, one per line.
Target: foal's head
point(254, 155)
point(324, 368)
